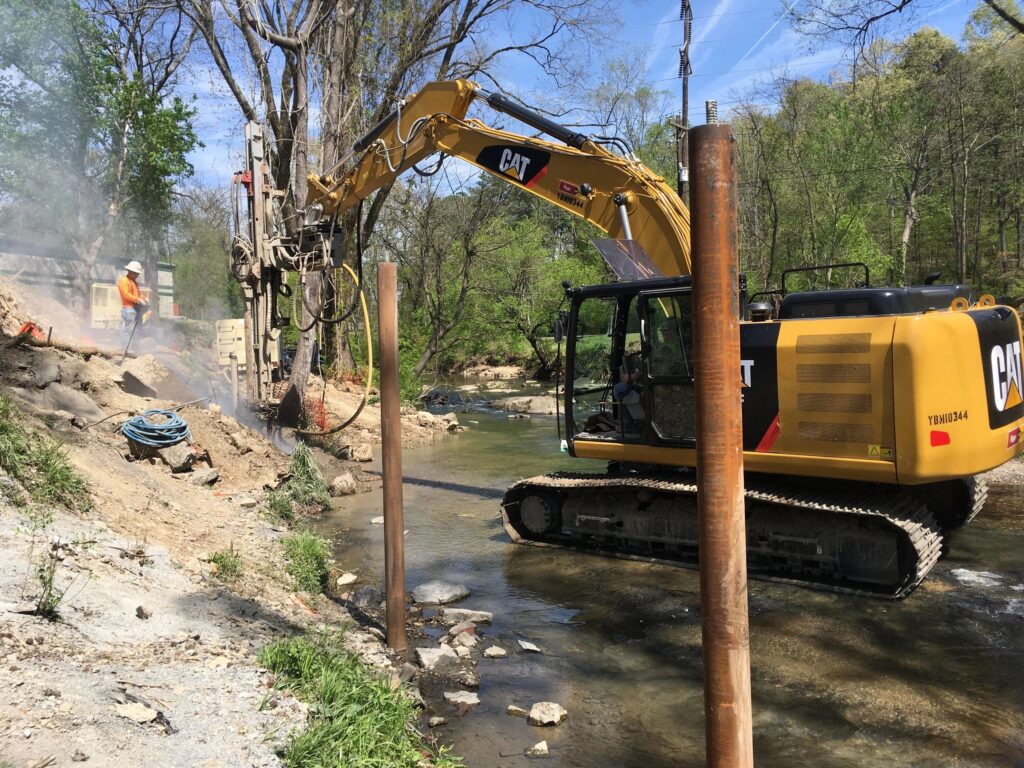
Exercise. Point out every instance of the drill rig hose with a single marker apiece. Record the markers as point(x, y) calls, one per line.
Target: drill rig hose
point(369, 366)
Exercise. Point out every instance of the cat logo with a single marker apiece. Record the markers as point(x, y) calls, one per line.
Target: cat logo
point(1006, 376)
point(513, 164)
point(523, 165)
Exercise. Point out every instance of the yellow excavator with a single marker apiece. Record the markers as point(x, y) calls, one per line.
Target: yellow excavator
point(868, 412)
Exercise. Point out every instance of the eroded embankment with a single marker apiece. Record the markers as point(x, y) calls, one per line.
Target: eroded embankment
point(133, 608)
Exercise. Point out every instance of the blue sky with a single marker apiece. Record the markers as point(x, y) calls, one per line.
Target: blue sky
point(738, 45)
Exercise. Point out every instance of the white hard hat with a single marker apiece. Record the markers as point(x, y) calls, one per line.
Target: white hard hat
point(134, 266)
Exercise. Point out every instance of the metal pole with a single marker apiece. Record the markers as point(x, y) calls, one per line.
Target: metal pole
point(685, 70)
point(721, 518)
point(233, 365)
point(391, 453)
point(250, 352)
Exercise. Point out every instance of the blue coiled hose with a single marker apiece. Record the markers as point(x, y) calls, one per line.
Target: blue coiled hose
point(156, 434)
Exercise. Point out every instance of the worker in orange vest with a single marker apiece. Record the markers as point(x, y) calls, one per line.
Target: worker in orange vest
point(132, 303)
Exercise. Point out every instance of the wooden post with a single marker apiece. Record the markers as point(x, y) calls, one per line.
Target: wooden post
point(391, 454)
point(720, 507)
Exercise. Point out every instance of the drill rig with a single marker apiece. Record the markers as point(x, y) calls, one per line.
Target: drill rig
point(867, 412)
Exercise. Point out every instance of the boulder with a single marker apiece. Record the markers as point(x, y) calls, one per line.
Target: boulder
point(146, 376)
point(205, 477)
point(459, 615)
point(363, 452)
point(547, 713)
point(343, 485)
point(439, 592)
point(527, 647)
point(436, 658)
point(462, 651)
point(59, 397)
point(366, 596)
point(462, 698)
point(240, 441)
point(495, 652)
point(426, 419)
point(347, 578)
point(45, 368)
point(436, 721)
point(245, 502)
point(517, 711)
point(179, 457)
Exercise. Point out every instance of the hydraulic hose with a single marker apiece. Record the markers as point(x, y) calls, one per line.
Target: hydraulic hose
point(156, 434)
point(369, 366)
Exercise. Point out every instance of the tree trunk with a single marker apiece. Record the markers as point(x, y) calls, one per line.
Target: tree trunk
point(290, 411)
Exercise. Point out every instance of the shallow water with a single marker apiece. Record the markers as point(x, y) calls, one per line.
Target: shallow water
point(934, 680)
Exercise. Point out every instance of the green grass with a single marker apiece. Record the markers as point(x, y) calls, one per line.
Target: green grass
point(355, 718)
point(229, 564)
point(308, 560)
point(279, 507)
point(39, 464)
point(305, 490)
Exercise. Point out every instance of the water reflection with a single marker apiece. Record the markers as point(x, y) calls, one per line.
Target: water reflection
point(934, 680)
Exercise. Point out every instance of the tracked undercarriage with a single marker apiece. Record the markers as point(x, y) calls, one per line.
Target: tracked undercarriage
point(848, 537)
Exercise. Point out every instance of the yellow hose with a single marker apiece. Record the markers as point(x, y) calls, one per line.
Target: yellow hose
point(369, 366)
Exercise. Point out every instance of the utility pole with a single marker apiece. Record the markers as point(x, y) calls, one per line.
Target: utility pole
point(683, 125)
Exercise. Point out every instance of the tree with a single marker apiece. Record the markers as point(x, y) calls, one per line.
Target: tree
point(858, 21)
point(199, 242)
point(358, 57)
point(85, 108)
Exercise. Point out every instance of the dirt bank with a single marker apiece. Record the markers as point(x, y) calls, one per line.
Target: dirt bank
point(151, 660)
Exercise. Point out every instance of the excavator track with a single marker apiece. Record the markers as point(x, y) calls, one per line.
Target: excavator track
point(842, 537)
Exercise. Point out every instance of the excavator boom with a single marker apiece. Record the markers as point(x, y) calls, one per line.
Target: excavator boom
point(615, 192)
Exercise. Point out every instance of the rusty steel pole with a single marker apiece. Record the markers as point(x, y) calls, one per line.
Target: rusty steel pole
point(391, 453)
point(233, 367)
point(720, 509)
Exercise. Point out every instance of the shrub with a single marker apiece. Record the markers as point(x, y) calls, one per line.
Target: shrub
point(308, 558)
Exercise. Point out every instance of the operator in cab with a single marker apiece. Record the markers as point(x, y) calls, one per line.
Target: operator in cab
point(132, 303)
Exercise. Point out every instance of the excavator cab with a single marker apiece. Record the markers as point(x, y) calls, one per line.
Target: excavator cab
point(629, 363)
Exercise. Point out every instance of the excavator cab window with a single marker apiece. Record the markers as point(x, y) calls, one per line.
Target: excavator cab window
point(668, 350)
point(607, 366)
point(633, 382)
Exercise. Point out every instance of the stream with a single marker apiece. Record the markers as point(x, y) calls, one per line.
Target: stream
point(933, 680)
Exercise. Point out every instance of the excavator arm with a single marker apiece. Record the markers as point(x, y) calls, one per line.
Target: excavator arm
point(617, 193)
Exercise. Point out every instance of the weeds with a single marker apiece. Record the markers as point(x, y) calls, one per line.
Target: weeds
point(279, 507)
point(229, 564)
point(306, 489)
point(307, 486)
point(308, 561)
point(355, 718)
point(50, 596)
point(39, 464)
